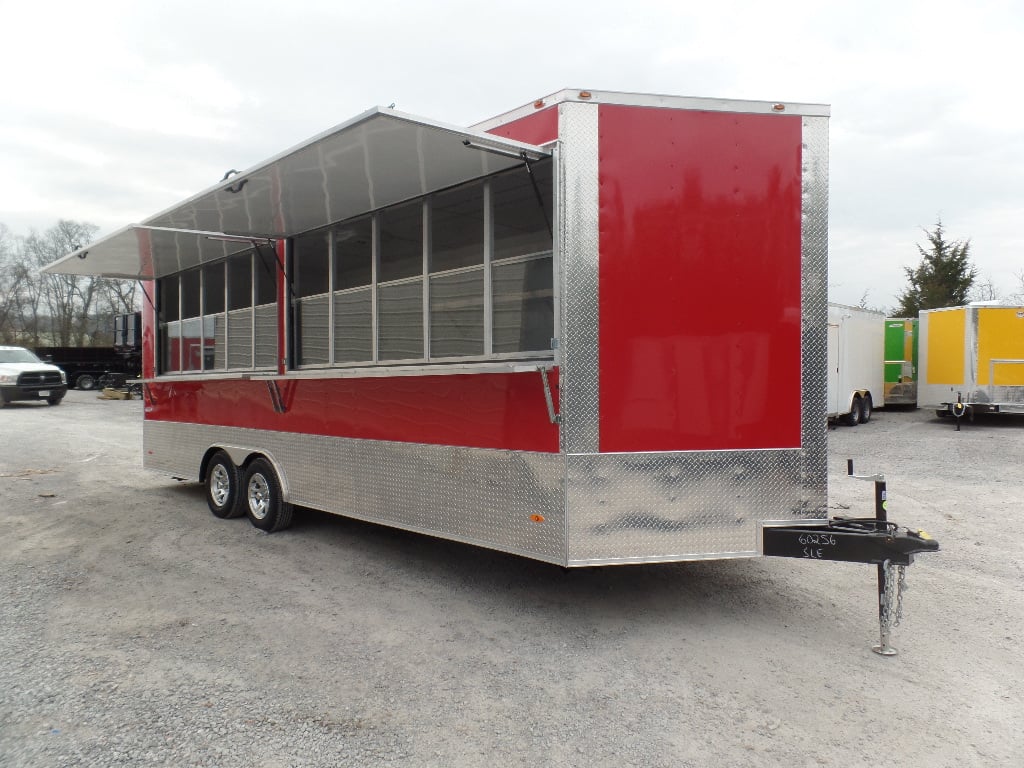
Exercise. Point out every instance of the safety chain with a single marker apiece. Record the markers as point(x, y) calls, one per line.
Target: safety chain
point(892, 600)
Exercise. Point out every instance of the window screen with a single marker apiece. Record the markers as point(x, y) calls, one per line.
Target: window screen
point(353, 254)
point(520, 220)
point(213, 288)
point(457, 314)
point(457, 228)
point(523, 306)
point(401, 242)
point(311, 265)
point(240, 281)
point(400, 309)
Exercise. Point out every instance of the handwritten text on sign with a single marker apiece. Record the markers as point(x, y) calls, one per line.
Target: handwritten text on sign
point(814, 544)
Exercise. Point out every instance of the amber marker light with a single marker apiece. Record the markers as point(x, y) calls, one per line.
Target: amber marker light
point(778, 107)
point(585, 94)
point(537, 518)
point(538, 103)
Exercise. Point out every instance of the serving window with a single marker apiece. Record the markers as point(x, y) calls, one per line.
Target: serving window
point(465, 274)
point(461, 275)
point(221, 316)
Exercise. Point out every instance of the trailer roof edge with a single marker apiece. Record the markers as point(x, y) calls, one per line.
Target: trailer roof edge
point(626, 98)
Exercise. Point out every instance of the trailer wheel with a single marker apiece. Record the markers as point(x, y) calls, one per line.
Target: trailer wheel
point(852, 419)
point(222, 483)
point(866, 408)
point(263, 503)
point(86, 381)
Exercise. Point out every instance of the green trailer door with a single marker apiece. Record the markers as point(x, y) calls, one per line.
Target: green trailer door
point(900, 361)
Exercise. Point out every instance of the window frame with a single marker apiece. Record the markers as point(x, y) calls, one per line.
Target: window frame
point(424, 277)
point(164, 340)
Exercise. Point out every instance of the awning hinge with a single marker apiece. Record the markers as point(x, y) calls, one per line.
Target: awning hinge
point(556, 418)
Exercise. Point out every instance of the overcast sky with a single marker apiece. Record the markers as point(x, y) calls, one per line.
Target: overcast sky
point(113, 111)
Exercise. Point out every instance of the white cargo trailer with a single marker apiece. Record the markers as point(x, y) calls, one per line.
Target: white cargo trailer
point(856, 357)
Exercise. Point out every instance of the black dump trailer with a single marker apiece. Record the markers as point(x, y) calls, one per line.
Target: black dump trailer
point(92, 367)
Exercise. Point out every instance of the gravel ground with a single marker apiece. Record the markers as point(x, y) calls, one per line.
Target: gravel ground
point(137, 629)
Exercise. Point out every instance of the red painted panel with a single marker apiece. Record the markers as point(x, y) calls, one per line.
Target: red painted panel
point(475, 410)
point(148, 328)
point(699, 280)
point(538, 128)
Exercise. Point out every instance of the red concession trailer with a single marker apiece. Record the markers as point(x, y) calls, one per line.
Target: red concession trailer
point(591, 330)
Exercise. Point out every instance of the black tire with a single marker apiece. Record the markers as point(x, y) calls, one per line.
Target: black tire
point(223, 485)
point(866, 409)
point(852, 419)
point(86, 381)
point(942, 412)
point(54, 399)
point(261, 493)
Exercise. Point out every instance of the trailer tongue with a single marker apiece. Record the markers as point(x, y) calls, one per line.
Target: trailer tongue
point(872, 540)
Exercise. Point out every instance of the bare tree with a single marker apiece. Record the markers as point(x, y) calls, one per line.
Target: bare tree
point(10, 306)
point(68, 299)
point(1017, 296)
point(984, 290)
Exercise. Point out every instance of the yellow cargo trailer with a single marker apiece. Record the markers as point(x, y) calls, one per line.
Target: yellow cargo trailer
point(971, 359)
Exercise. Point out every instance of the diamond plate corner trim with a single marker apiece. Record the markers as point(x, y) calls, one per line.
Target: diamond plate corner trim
point(578, 132)
point(658, 507)
point(512, 501)
point(814, 332)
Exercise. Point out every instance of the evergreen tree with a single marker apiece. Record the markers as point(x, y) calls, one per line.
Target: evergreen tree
point(943, 278)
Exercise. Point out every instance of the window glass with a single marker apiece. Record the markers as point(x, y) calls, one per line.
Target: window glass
point(401, 242)
point(523, 306)
point(213, 288)
point(353, 326)
point(311, 265)
point(240, 281)
point(457, 228)
point(168, 299)
point(170, 345)
point(190, 293)
point(192, 344)
point(265, 268)
point(353, 254)
point(520, 226)
point(400, 321)
point(457, 314)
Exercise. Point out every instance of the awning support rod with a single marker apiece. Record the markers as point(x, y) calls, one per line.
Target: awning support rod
point(536, 191)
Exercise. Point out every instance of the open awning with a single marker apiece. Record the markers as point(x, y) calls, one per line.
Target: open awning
point(377, 159)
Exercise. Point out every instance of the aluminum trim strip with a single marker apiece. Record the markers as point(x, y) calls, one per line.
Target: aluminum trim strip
point(814, 301)
point(579, 244)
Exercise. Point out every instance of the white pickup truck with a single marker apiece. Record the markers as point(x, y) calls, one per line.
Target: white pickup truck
point(23, 376)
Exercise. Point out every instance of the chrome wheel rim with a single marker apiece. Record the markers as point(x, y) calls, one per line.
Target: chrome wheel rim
point(220, 485)
point(259, 496)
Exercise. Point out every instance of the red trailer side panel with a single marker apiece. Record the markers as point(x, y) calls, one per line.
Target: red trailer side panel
point(501, 410)
point(699, 280)
point(538, 128)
